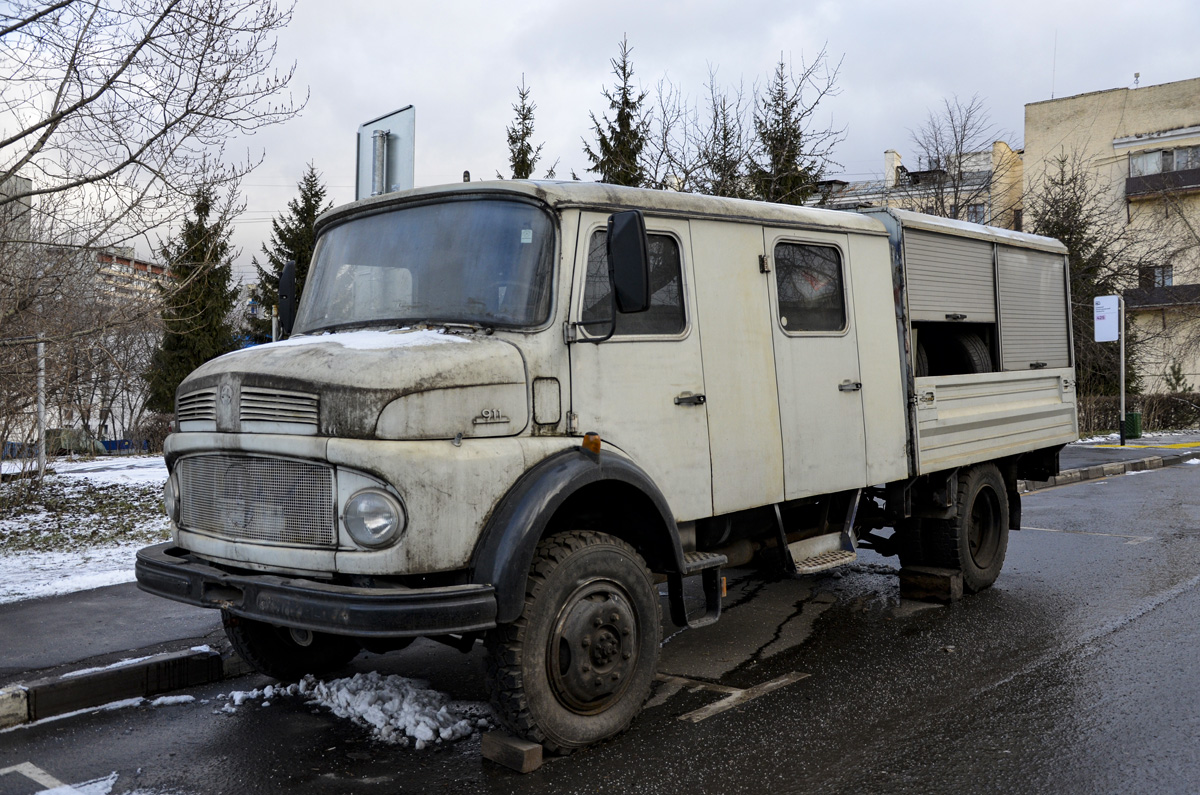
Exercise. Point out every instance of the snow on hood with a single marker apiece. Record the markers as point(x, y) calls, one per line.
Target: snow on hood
point(368, 340)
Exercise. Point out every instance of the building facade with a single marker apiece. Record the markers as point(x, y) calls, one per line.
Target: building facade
point(1143, 147)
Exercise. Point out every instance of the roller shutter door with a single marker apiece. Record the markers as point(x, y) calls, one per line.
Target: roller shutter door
point(949, 275)
point(1033, 316)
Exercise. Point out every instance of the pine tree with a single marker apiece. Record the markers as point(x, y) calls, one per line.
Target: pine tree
point(196, 309)
point(781, 171)
point(292, 238)
point(620, 140)
point(522, 157)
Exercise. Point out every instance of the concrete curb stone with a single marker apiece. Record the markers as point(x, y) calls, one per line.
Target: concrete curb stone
point(162, 673)
point(1101, 471)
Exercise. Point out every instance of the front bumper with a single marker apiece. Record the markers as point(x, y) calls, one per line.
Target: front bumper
point(392, 612)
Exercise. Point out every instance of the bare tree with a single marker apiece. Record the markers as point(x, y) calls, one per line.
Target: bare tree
point(960, 172)
point(116, 111)
point(725, 143)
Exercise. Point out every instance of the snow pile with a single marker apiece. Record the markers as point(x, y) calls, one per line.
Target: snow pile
point(370, 340)
point(394, 708)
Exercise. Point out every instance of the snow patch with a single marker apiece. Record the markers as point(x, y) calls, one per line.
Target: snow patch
point(171, 701)
point(97, 786)
point(33, 575)
point(117, 664)
point(1192, 461)
point(371, 340)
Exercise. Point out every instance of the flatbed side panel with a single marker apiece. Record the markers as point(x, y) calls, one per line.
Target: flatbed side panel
point(965, 419)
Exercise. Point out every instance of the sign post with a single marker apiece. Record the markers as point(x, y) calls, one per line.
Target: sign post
point(1108, 311)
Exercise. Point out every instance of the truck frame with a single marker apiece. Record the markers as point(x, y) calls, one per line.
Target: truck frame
point(509, 410)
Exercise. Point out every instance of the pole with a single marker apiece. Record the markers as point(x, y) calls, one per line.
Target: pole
point(41, 408)
point(1121, 308)
point(275, 324)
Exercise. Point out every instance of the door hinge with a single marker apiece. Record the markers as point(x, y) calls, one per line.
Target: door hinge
point(764, 263)
point(572, 422)
point(570, 333)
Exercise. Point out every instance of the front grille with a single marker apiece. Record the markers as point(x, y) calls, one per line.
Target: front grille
point(278, 405)
point(198, 406)
point(259, 499)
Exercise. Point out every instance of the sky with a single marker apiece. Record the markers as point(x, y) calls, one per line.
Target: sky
point(459, 64)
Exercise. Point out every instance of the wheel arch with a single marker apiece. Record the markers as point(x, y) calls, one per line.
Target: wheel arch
point(572, 490)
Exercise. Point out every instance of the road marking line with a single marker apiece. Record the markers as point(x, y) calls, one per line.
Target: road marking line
point(37, 776)
point(1132, 539)
point(1176, 446)
point(734, 696)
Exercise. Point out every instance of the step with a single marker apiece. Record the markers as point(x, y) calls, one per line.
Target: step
point(826, 560)
point(696, 562)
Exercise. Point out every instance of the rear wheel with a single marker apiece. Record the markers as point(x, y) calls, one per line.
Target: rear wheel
point(578, 664)
point(287, 654)
point(976, 539)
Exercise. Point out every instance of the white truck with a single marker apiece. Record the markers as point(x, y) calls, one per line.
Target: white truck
point(507, 410)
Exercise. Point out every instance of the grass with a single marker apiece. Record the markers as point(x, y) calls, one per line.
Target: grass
point(71, 514)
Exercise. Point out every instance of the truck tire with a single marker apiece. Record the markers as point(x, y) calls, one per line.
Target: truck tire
point(976, 539)
point(908, 543)
point(578, 664)
point(276, 651)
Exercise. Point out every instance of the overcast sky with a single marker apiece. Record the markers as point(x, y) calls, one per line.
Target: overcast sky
point(459, 64)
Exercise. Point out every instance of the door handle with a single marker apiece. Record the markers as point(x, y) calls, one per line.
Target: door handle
point(689, 400)
point(849, 386)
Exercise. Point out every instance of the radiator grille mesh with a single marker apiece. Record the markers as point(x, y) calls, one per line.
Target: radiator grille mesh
point(259, 499)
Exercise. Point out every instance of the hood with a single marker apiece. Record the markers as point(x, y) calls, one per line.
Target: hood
point(427, 382)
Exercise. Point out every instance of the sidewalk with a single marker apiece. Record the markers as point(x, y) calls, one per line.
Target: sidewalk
point(65, 653)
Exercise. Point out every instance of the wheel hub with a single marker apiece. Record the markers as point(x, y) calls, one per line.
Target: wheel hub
point(593, 648)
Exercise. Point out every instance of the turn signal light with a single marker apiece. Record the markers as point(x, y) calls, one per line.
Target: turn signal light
point(591, 443)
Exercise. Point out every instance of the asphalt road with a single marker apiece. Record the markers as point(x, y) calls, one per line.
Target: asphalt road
point(1076, 673)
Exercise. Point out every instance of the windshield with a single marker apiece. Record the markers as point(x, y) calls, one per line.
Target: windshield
point(474, 261)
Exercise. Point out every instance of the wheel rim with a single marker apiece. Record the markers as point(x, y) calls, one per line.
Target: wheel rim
point(593, 650)
point(983, 531)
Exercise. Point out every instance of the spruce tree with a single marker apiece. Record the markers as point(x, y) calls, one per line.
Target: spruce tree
point(620, 140)
point(292, 238)
point(781, 170)
point(197, 305)
point(522, 157)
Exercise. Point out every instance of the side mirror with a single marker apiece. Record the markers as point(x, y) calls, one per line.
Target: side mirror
point(287, 298)
point(629, 261)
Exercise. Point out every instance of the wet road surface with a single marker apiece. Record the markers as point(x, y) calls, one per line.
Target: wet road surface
point(1076, 673)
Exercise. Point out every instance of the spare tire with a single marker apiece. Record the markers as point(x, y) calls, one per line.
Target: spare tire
point(966, 352)
point(922, 368)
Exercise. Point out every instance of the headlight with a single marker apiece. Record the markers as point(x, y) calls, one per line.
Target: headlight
point(171, 498)
point(374, 518)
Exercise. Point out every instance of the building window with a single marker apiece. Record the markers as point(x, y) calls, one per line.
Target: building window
point(1155, 276)
point(976, 213)
point(1158, 161)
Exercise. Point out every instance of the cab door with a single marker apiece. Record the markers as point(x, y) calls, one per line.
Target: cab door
point(642, 390)
point(817, 362)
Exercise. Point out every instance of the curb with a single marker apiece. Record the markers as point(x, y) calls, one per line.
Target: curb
point(161, 673)
point(1101, 471)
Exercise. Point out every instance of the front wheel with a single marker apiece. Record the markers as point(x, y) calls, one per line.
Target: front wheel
point(287, 654)
point(976, 539)
point(578, 664)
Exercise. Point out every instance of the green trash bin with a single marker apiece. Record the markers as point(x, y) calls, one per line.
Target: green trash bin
point(1133, 425)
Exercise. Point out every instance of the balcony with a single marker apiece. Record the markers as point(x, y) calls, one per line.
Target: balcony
point(1187, 181)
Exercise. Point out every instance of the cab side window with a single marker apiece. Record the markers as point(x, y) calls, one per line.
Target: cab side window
point(810, 287)
point(665, 315)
